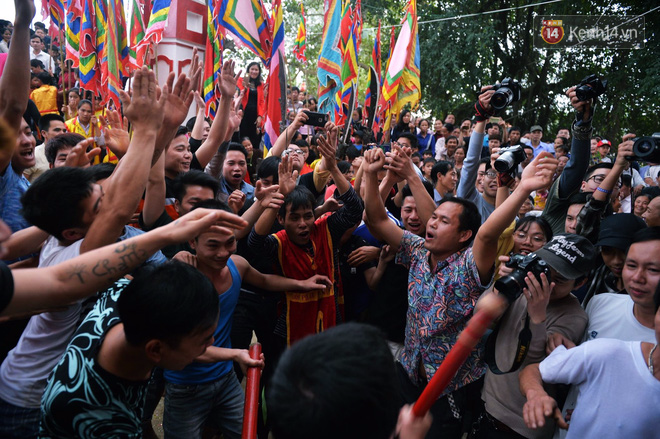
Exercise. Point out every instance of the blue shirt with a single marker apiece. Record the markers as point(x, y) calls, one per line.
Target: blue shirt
point(12, 188)
point(198, 373)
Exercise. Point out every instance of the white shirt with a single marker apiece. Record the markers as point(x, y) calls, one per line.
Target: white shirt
point(44, 58)
point(618, 396)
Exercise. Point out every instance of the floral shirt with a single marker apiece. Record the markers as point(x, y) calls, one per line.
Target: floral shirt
point(440, 303)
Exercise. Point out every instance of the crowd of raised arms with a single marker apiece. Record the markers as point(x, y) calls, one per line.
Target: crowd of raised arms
point(144, 251)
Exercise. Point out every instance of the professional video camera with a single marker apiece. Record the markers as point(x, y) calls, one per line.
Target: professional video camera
point(590, 88)
point(510, 158)
point(647, 148)
point(505, 94)
point(511, 286)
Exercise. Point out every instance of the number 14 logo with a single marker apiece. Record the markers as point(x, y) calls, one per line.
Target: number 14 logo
point(552, 31)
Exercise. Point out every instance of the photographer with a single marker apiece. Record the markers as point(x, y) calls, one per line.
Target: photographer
point(571, 178)
point(545, 306)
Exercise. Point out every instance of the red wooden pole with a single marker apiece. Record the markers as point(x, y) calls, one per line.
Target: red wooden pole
point(251, 410)
point(490, 308)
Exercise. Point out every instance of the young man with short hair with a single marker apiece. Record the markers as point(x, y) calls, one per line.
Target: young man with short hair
point(37, 52)
point(165, 317)
point(207, 389)
point(443, 176)
point(50, 125)
point(306, 244)
point(446, 277)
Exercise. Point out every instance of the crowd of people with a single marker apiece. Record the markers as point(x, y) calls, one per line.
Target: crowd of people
point(144, 251)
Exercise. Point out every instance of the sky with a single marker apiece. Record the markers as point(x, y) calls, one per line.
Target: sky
point(8, 11)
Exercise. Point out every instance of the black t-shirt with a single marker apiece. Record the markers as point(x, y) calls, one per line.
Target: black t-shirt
point(6, 285)
point(389, 307)
point(357, 294)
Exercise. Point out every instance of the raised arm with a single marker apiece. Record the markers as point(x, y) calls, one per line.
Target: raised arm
point(43, 288)
point(284, 139)
point(403, 165)
point(154, 196)
point(273, 282)
point(571, 178)
point(128, 181)
point(537, 175)
point(15, 81)
point(227, 86)
point(469, 173)
point(376, 217)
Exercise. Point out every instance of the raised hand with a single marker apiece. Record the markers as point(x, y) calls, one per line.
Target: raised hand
point(227, 79)
point(236, 200)
point(195, 72)
point(287, 176)
point(374, 160)
point(179, 100)
point(581, 107)
point(25, 11)
point(538, 296)
point(144, 110)
point(79, 157)
point(333, 133)
point(115, 132)
point(300, 120)
point(624, 151)
point(201, 105)
point(400, 163)
point(328, 152)
point(539, 173)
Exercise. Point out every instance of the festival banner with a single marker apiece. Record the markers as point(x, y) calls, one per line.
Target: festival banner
point(329, 61)
point(74, 13)
point(300, 43)
point(137, 34)
point(212, 60)
point(276, 82)
point(376, 64)
point(248, 21)
point(114, 67)
point(154, 33)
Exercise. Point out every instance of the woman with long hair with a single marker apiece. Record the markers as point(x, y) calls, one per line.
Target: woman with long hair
point(402, 126)
point(254, 103)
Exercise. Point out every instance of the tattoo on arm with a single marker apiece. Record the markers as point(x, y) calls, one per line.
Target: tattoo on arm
point(77, 271)
point(131, 255)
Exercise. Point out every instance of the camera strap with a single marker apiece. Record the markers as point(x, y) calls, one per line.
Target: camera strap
point(524, 339)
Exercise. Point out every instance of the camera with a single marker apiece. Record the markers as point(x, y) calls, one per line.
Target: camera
point(511, 286)
point(647, 148)
point(590, 88)
point(505, 94)
point(510, 158)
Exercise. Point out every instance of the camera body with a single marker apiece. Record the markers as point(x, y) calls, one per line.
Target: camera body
point(647, 148)
point(511, 286)
point(505, 94)
point(509, 158)
point(590, 88)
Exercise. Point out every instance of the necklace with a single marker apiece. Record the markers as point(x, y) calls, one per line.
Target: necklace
point(651, 359)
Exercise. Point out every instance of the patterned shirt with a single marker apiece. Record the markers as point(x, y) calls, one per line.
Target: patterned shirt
point(82, 400)
point(440, 303)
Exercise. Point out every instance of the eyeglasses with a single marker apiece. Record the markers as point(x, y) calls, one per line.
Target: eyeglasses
point(598, 179)
point(491, 174)
point(294, 151)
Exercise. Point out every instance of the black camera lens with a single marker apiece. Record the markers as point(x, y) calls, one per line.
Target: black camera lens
point(645, 146)
point(501, 98)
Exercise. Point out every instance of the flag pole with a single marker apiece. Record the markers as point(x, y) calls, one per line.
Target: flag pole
point(63, 64)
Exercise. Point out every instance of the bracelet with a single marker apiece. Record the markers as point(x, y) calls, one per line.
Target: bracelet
point(605, 191)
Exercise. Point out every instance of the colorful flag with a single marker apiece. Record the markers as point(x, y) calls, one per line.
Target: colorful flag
point(300, 43)
point(248, 21)
point(155, 28)
point(329, 62)
point(349, 70)
point(114, 66)
point(74, 13)
point(276, 81)
point(212, 60)
point(89, 72)
point(137, 35)
point(56, 9)
point(101, 16)
point(376, 64)
point(401, 85)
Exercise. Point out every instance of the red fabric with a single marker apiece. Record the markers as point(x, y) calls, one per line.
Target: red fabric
point(261, 99)
point(314, 311)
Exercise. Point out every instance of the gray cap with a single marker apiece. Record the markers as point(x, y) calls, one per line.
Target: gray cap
point(535, 128)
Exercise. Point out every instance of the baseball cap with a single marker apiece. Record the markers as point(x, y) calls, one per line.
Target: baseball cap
point(617, 230)
point(535, 128)
point(570, 255)
point(604, 142)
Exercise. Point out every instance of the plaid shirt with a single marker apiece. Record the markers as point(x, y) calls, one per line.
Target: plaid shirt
point(440, 303)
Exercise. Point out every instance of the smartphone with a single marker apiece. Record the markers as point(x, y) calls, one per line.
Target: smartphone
point(495, 120)
point(316, 119)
